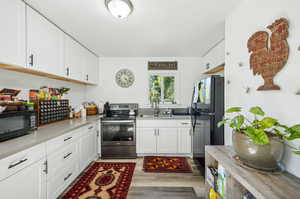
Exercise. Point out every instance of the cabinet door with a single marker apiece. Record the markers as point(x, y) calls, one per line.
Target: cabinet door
point(92, 68)
point(27, 183)
point(74, 60)
point(184, 140)
point(215, 57)
point(167, 140)
point(146, 140)
point(12, 40)
point(88, 148)
point(45, 44)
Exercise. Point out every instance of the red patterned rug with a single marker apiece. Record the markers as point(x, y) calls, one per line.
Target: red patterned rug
point(102, 180)
point(166, 165)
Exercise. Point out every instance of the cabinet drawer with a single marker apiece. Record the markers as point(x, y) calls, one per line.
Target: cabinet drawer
point(68, 155)
point(16, 162)
point(184, 123)
point(156, 123)
point(59, 182)
point(61, 141)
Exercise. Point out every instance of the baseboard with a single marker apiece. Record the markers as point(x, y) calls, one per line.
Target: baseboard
point(167, 155)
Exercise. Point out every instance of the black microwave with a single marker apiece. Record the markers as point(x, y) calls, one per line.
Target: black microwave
point(15, 124)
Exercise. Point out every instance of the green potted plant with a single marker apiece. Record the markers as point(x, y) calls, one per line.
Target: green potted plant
point(62, 91)
point(259, 142)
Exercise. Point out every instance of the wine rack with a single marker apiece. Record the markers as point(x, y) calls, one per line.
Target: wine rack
point(50, 111)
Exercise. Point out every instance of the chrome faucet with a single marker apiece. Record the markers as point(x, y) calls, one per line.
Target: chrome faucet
point(156, 109)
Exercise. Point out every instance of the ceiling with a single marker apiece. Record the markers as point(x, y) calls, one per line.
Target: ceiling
point(156, 28)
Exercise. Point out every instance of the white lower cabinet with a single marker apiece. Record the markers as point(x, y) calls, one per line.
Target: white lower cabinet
point(185, 140)
point(30, 182)
point(167, 140)
point(164, 137)
point(59, 182)
point(146, 140)
point(46, 170)
point(88, 146)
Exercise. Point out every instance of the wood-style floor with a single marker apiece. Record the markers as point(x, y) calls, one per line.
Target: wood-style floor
point(162, 183)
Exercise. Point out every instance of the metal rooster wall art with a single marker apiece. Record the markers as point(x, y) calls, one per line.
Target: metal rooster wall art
point(267, 60)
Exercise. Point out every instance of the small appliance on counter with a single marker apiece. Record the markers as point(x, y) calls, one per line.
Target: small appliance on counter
point(118, 131)
point(17, 123)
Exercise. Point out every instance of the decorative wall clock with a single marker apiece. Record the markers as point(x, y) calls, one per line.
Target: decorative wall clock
point(125, 78)
point(267, 60)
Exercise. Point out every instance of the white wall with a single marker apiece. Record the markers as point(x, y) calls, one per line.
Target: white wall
point(16, 80)
point(189, 71)
point(252, 16)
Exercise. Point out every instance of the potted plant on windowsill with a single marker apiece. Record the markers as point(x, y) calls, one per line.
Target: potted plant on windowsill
point(259, 143)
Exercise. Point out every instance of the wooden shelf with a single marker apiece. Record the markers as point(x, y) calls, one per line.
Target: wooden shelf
point(215, 70)
point(261, 185)
point(41, 74)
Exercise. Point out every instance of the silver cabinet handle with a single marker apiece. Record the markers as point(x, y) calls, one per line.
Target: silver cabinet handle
point(66, 139)
point(185, 123)
point(68, 176)
point(157, 132)
point(87, 77)
point(91, 127)
point(16, 164)
point(31, 60)
point(68, 71)
point(154, 132)
point(66, 156)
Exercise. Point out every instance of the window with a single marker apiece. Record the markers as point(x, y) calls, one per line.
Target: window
point(162, 88)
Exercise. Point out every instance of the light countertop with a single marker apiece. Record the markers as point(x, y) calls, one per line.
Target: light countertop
point(151, 117)
point(43, 134)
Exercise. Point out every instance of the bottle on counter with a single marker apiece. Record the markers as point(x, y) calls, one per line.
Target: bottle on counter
point(71, 110)
point(83, 113)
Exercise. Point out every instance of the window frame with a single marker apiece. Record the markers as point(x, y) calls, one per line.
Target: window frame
point(176, 86)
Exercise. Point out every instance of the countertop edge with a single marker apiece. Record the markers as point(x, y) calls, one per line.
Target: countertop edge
point(23, 143)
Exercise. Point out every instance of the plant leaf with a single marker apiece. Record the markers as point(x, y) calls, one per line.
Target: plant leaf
point(267, 122)
point(257, 111)
point(297, 152)
point(238, 121)
point(258, 136)
point(234, 110)
point(222, 122)
point(294, 132)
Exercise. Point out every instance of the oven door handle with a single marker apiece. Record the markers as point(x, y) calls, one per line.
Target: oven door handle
point(118, 121)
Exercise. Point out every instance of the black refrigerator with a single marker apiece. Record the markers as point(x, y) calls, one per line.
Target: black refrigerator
point(207, 109)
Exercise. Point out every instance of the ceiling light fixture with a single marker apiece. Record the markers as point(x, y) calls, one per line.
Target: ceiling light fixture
point(119, 8)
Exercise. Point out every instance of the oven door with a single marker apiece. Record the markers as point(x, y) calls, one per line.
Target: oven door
point(14, 124)
point(118, 132)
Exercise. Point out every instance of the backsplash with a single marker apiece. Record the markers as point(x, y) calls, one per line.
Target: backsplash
point(24, 82)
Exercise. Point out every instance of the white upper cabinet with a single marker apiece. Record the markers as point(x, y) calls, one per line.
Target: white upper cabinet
point(80, 64)
point(45, 44)
point(12, 36)
point(74, 62)
point(92, 68)
point(215, 57)
point(29, 40)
